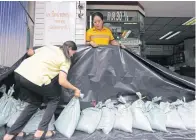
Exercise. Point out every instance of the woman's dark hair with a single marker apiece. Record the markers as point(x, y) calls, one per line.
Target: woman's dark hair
point(65, 47)
point(97, 14)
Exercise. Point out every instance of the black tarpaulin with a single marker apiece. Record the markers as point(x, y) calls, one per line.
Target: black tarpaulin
point(104, 72)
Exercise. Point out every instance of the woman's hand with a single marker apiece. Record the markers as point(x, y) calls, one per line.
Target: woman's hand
point(66, 84)
point(77, 93)
point(122, 46)
point(30, 52)
point(93, 44)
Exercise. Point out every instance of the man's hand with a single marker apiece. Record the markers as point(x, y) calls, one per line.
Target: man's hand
point(30, 52)
point(77, 93)
point(93, 44)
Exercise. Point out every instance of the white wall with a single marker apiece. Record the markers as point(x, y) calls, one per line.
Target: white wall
point(80, 24)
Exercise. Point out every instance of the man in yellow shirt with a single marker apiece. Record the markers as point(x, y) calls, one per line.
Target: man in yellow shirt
point(100, 35)
point(41, 76)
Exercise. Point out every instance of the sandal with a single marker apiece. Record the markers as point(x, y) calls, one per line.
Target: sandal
point(43, 137)
point(53, 134)
point(21, 137)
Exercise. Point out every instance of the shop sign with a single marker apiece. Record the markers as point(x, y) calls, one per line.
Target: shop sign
point(117, 16)
point(59, 22)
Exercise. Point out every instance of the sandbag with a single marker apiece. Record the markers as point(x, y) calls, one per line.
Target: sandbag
point(35, 120)
point(140, 121)
point(4, 98)
point(173, 117)
point(14, 117)
point(155, 115)
point(187, 114)
point(89, 120)
point(123, 120)
point(3, 89)
point(107, 121)
point(7, 106)
point(69, 117)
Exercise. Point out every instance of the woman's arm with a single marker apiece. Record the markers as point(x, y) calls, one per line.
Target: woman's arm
point(114, 42)
point(88, 39)
point(91, 43)
point(66, 84)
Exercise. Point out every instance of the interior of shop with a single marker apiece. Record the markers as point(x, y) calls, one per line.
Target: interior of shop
point(167, 39)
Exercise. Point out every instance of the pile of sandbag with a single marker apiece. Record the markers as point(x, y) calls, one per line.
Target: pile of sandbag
point(121, 115)
point(124, 116)
point(8, 105)
point(180, 115)
point(10, 110)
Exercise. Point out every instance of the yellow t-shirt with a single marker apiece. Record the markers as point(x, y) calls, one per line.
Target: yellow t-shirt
point(44, 65)
point(100, 37)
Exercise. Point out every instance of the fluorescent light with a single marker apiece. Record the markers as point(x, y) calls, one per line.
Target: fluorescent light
point(189, 21)
point(130, 23)
point(173, 35)
point(192, 22)
point(166, 35)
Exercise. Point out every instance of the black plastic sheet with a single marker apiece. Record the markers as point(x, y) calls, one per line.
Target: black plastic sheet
point(105, 72)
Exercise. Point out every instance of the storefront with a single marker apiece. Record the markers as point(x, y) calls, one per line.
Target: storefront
point(125, 20)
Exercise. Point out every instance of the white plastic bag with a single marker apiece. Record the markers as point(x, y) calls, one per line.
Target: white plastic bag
point(140, 121)
point(123, 118)
point(187, 114)
point(35, 120)
point(3, 99)
point(155, 115)
point(89, 120)
point(173, 117)
point(107, 121)
point(3, 89)
point(69, 117)
point(14, 117)
point(7, 106)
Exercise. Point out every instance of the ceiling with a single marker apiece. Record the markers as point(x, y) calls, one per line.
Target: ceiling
point(156, 27)
point(168, 8)
point(165, 16)
point(162, 17)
